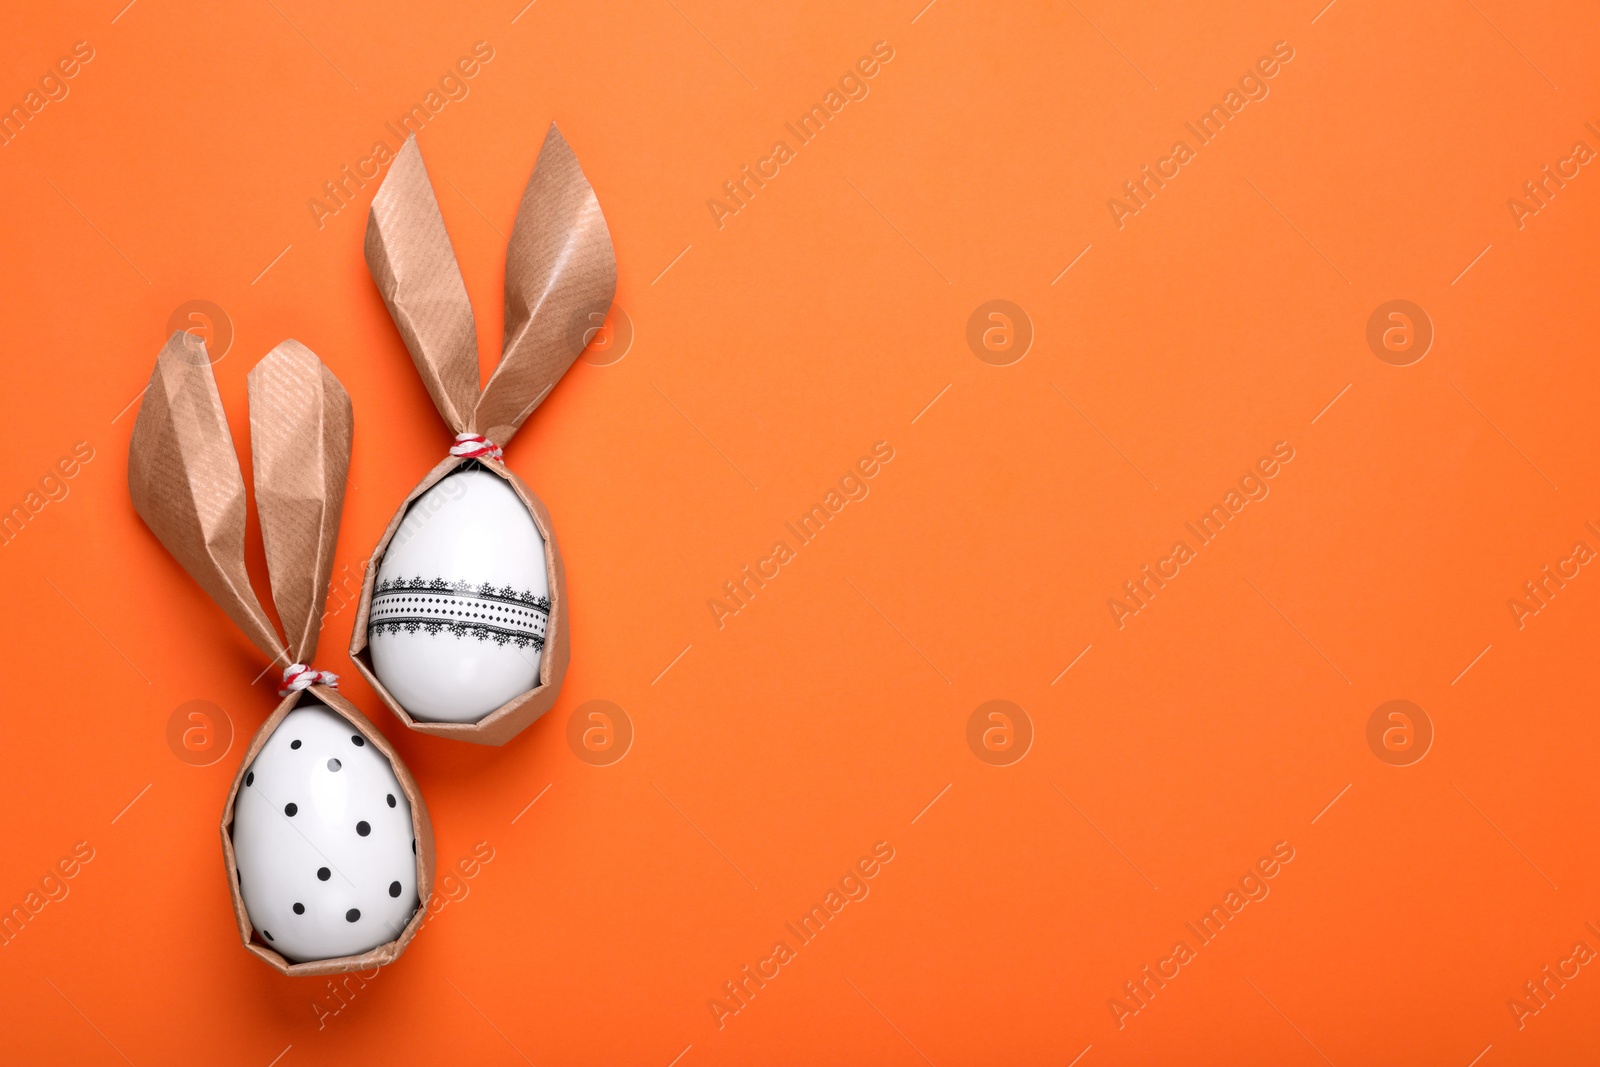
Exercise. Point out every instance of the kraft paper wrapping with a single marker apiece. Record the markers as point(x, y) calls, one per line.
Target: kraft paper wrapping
point(421, 826)
point(300, 429)
point(184, 478)
point(411, 258)
point(515, 715)
point(559, 268)
point(561, 274)
point(183, 475)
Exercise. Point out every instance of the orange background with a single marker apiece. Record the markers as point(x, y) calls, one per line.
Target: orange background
point(828, 714)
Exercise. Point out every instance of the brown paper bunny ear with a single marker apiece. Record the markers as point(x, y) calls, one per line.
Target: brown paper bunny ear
point(183, 475)
point(560, 273)
point(300, 429)
point(411, 258)
point(560, 269)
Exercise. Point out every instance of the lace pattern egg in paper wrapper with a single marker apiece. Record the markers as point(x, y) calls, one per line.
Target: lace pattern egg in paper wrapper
point(462, 601)
point(462, 628)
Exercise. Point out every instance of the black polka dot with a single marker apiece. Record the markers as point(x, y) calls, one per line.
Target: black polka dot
point(413, 846)
point(391, 800)
point(323, 874)
point(294, 744)
point(250, 779)
point(299, 908)
point(352, 915)
point(363, 828)
point(358, 741)
point(334, 765)
point(394, 889)
point(290, 808)
point(268, 933)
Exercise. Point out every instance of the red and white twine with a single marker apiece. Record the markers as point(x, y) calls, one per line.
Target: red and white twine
point(298, 676)
point(474, 446)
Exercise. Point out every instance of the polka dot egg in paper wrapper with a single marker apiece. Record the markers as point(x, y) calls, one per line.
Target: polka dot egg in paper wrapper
point(323, 821)
point(462, 627)
point(322, 840)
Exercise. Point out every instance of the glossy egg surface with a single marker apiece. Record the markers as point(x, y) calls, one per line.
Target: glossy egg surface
point(462, 601)
point(322, 838)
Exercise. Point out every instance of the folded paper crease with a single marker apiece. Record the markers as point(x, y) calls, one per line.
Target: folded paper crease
point(183, 475)
point(561, 273)
point(410, 256)
point(300, 431)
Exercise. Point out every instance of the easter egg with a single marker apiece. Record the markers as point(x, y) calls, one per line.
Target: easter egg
point(322, 839)
point(462, 600)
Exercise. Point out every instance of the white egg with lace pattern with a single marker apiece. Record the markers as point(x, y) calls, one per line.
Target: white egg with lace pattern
point(462, 601)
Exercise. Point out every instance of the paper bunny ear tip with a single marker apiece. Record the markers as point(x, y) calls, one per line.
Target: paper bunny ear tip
point(406, 163)
point(286, 353)
point(189, 347)
point(555, 141)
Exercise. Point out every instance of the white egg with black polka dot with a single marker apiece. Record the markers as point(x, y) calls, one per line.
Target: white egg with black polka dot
point(323, 841)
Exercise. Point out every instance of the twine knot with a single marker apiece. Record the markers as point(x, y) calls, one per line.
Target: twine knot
point(474, 446)
point(298, 676)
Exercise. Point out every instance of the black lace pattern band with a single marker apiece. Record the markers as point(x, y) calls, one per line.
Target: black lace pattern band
point(487, 612)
